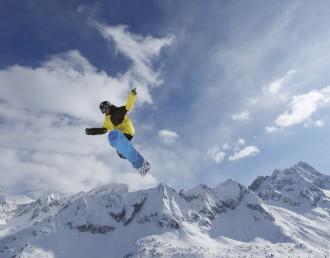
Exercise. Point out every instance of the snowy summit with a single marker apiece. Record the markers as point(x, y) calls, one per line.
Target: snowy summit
point(285, 214)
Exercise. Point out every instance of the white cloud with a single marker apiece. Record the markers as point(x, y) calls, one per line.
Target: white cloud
point(319, 123)
point(275, 87)
point(272, 129)
point(168, 137)
point(141, 50)
point(303, 106)
point(226, 146)
point(246, 152)
point(241, 141)
point(66, 83)
point(243, 116)
point(216, 154)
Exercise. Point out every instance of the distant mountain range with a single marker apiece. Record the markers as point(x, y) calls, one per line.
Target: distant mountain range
point(286, 214)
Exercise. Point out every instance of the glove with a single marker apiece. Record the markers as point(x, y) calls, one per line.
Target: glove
point(87, 131)
point(134, 91)
point(95, 131)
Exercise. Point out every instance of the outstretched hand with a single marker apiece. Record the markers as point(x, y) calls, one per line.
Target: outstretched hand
point(134, 91)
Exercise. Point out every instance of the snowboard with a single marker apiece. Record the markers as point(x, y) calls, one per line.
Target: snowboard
point(118, 140)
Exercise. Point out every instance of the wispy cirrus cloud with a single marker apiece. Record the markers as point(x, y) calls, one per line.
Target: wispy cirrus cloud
point(141, 50)
point(276, 86)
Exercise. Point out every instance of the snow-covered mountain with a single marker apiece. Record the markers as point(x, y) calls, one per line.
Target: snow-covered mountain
point(298, 188)
point(285, 214)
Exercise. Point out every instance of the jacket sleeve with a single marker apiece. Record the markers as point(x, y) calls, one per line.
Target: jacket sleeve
point(130, 101)
point(95, 131)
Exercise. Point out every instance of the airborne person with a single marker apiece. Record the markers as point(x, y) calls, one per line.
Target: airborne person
point(116, 119)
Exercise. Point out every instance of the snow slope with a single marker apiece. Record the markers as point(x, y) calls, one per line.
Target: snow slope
point(285, 214)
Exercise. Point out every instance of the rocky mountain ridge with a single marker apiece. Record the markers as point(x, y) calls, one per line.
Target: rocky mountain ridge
point(285, 213)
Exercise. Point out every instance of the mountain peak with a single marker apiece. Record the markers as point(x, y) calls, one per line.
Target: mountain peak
point(303, 167)
point(230, 183)
point(300, 170)
point(293, 186)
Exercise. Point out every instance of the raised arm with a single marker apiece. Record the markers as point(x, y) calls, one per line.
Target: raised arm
point(131, 99)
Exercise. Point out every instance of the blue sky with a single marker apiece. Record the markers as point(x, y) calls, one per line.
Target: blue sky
point(226, 90)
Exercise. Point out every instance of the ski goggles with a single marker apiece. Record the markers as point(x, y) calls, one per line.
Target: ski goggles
point(103, 110)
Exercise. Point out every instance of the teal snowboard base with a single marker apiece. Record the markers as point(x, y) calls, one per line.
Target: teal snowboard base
point(119, 141)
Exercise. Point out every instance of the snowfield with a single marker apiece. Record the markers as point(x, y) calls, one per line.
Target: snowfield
point(282, 215)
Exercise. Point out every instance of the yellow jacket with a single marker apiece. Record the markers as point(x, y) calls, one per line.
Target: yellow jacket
point(117, 118)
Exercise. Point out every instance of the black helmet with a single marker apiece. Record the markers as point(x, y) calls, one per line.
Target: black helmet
point(104, 105)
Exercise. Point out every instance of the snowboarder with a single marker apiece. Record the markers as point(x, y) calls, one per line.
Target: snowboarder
point(116, 119)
